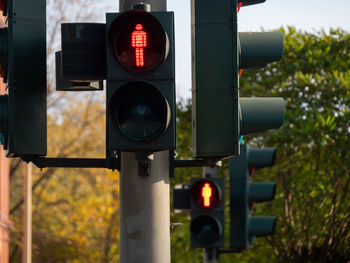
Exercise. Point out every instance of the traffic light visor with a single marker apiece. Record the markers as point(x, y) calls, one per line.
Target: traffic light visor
point(260, 114)
point(138, 41)
point(257, 49)
point(251, 2)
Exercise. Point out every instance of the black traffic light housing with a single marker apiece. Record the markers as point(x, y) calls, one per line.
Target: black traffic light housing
point(243, 192)
point(81, 64)
point(141, 107)
point(23, 68)
point(207, 212)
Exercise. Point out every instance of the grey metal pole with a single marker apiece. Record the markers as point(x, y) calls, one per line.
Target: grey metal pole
point(27, 215)
point(144, 201)
point(144, 211)
point(210, 254)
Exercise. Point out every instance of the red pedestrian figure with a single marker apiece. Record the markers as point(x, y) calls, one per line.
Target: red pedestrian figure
point(139, 42)
point(206, 194)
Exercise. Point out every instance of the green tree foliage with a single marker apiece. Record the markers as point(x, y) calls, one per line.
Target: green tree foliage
point(313, 161)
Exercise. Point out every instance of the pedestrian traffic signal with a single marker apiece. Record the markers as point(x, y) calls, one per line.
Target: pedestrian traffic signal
point(23, 69)
point(207, 212)
point(243, 193)
point(141, 108)
point(219, 52)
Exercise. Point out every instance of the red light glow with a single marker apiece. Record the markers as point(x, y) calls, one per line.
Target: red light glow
point(239, 6)
point(206, 194)
point(139, 42)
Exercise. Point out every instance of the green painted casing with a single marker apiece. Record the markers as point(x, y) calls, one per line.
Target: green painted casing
point(27, 130)
point(259, 115)
point(257, 49)
point(215, 70)
point(243, 226)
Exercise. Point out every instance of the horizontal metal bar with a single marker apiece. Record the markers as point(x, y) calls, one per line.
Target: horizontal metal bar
point(43, 162)
point(196, 163)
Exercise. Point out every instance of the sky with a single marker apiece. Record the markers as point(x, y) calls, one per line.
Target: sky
point(306, 15)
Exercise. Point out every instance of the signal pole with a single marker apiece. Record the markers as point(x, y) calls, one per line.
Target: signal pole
point(27, 215)
point(144, 200)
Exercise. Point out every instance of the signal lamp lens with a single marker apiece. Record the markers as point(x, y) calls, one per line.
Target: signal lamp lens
point(205, 194)
point(138, 41)
point(140, 111)
point(206, 229)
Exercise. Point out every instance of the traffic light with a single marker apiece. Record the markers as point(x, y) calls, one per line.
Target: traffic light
point(141, 107)
point(219, 52)
point(243, 193)
point(207, 212)
point(23, 69)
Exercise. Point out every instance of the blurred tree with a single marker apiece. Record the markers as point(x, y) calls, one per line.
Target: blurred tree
point(74, 210)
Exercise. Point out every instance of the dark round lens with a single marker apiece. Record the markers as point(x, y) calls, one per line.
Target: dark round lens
point(206, 229)
point(141, 111)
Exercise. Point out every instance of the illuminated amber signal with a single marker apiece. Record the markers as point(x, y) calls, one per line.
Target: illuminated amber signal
point(139, 42)
point(207, 194)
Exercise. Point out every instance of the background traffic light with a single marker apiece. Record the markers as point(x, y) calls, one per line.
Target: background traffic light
point(243, 193)
point(81, 62)
point(207, 212)
point(140, 81)
point(219, 116)
point(23, 69)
